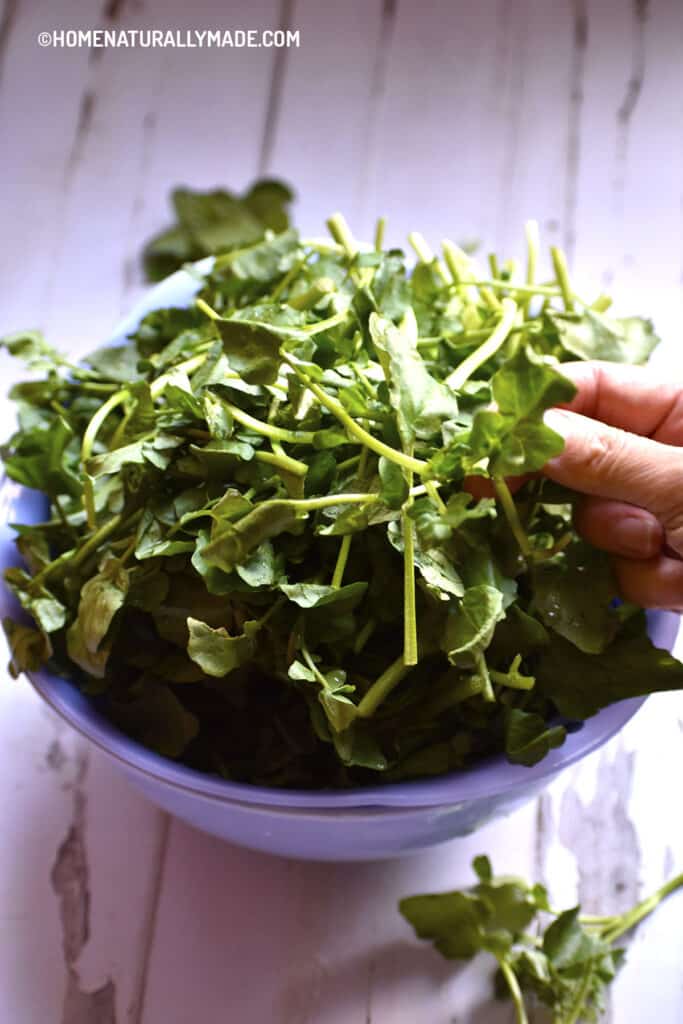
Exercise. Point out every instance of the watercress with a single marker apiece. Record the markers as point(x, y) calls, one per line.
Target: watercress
point(260, 550)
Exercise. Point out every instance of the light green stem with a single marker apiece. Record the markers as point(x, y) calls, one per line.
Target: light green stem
point(282, 461)
point(269, 429)
point(562, 275)
point(515, 991)
point(382, 687)
point(409, 611)
point(340, 231)
point(342, 559)
point(481, 355)
point(340, 413)
point(433, 492)
point(311, 297)
point(379, 233)
point(512, 516)
point(533, 245)
point(345, 546)
point(483, 672)
point(579, 1004)
point(425, 254)
point(641, 910)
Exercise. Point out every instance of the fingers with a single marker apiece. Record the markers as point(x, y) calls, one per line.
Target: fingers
point(607, 462)
point(633, 398)
point(619, 528)
point(652, 583)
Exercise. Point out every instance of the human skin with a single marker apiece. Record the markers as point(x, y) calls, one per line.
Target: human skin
point(623, 434)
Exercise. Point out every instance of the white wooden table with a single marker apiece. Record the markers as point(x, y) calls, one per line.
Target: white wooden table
point(452, 117)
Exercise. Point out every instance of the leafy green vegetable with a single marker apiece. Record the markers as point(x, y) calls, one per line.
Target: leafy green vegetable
point(259, 548)
point(216, 222)
point(567, 968)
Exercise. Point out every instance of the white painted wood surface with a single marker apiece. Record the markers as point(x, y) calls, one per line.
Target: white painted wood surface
point(456, 118)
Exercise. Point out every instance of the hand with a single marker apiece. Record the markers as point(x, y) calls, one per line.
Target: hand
point(624, 450)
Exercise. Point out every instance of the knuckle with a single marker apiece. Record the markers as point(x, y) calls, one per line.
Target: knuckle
point(673, 528)
point(604, 452)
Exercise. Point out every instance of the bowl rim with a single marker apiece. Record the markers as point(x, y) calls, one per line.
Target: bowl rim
point(487, 779)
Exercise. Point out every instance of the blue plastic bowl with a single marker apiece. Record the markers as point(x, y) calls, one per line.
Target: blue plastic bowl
point(359, 824)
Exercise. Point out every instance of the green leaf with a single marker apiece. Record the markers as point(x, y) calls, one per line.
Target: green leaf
point(598, 336)
point(253, 350)
point(29, 648)
point(215, 651)
point(231, 544)
point(526, 385)
point(454, 921)
point(154, 716)
point(48, 611)
point(567, 944)
point(482, 868)
point(316, 595)
point(471, 627)
point(580, 684)
point(260, 569)
point(585, 616)
point(33, 349)
point(265, 261)
point(42, 459)
point(101, 597)
point(394, 489)
point(421, 403)
point(528, 738)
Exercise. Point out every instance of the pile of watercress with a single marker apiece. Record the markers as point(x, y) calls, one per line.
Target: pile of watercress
point(259, 552)
point(563, 960)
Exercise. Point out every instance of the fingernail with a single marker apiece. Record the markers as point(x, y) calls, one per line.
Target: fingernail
point(636, 536)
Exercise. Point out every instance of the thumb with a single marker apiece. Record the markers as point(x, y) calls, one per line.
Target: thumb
point(612, 463)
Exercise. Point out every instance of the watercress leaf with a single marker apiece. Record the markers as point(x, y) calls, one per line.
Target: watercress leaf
point(154, 716)
point(93, 662)
point(260, 569)
point(48, 611)
point(567, 944)
point(454, 921)
point(596, 335)
point(356, 746)
point(316, 595)
point(218, 417)
point(215, 651)
point(33, 349)
point(584, 615)
point(526, 385)
point(528, 738)
point(43, 459)
point(101, 598)
point(471, 627)
point(264, 261)
point(394, 490)
point(482, 868)
point(115, 362)
point(253, 350)
point(580, 684)
point(29, 648)
point(232, 543)
point(421, 403)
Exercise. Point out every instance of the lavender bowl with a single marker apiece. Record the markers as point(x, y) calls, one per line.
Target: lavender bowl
point(360, 824)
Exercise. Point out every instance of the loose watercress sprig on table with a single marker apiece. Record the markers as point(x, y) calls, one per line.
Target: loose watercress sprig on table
point(260, 550)
point(564, 960)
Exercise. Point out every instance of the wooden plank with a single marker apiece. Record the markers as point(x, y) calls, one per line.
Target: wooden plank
point(294, 942)
point(324, 132)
